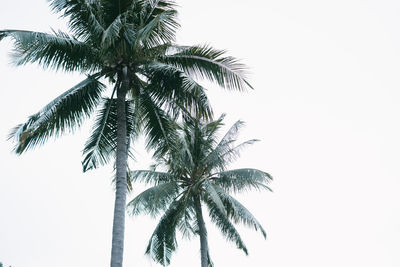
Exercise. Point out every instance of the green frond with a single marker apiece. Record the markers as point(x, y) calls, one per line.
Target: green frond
point(212, 127)
point(158, 127)
point(159, 30)
point(239, 213)
point(240, 180)
point(101, 146)
point(153, 200)
point(225, 151)
point(224, 225)
point(188, 225)
point(207, 63)
point(84, 17)
point(163, 240)
point(64, 113)
point(152, 8)
point(176, 91)
point(129, 33)
point(212, 195)
point(234, 153)
point(111, 34)
point(55, 51)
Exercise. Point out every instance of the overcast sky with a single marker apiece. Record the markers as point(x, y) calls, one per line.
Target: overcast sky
point(325, 105)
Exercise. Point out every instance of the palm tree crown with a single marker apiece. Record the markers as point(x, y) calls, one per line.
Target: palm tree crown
point(107, 38)
point(196, 173)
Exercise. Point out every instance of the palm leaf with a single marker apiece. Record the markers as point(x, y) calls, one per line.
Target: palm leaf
point(56, 51)
point(212, 195)
point(158, 127)
point(153, 200)
point(102, 144)
point(239, 213)
point(224, 225)
point(225, 151)
point(111, 34)
point(207, 63)
point(242, 179)
point(163, 240)
point(188, 225)
point(159, 30)
point(65, 112)
point(84, 17)
point(177, 92)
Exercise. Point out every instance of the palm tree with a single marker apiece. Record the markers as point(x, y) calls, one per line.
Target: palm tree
point(129, 44)
point(195, 174)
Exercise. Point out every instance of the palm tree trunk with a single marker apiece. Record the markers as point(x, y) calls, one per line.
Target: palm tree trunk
point(121, 166)
point(202, 232)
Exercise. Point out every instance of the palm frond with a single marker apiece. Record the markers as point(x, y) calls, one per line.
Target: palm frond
point(225, 151)
point(111, 34)
point(177, 91)
point(152, 8)
point(163, 240)
point(211, 64)
point(101, 146)
point(239, 213)
point(188, 225)
point(153, 200)
point(225, 226)
point(56, 51)
point(65, 112)
point(212, 195)
point(84, 17)
point(242, 179)
point(159, 30)
point(158, 127)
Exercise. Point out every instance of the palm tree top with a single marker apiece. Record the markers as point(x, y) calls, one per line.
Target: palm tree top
point(105, 38)
point(108, 35)
point(196, 171)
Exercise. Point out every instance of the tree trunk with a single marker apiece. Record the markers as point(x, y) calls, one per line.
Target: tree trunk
point(121, 166)
point(202, 232)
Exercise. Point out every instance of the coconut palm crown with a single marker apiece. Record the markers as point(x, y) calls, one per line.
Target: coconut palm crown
point(196, 174)
point(129, 44)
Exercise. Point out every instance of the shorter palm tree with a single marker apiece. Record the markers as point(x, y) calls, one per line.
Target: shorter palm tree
point(196, 173)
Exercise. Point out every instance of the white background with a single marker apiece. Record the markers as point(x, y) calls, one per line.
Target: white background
point(326, 106)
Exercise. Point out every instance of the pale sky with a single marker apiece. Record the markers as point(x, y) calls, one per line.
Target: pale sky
point(325, 105)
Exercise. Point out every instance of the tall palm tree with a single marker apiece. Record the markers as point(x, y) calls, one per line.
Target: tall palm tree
point(129, 44)
point(195, 174)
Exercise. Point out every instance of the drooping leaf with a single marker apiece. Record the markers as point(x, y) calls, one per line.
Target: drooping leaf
point(163, 240)
point(64, 113)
